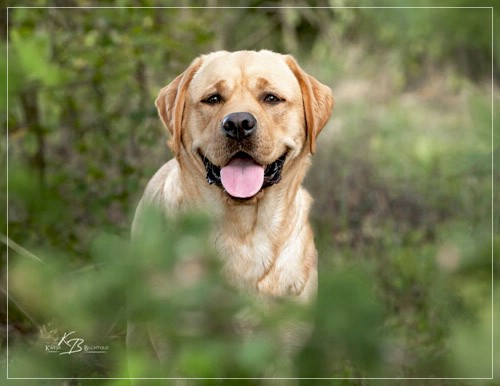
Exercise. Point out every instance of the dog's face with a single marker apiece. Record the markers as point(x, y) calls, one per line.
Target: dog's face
point(241, 120)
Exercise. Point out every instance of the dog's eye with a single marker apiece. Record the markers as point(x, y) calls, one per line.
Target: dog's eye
point(271, 98)
point(212, 99)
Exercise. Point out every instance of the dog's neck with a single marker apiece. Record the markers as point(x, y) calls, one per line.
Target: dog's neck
point(266, 246)
point(254, 239)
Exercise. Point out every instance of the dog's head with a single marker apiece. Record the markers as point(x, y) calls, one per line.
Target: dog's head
point(243, 119)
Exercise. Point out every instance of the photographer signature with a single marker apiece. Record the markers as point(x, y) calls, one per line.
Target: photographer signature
point(74, 345)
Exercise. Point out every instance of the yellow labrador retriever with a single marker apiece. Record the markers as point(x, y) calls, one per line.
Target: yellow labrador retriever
point(243, 127)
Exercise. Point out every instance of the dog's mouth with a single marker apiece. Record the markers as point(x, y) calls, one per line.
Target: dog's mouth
point(242, 177)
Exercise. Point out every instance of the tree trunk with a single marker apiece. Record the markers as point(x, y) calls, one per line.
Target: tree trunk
point(288, 28)
point(29, 104)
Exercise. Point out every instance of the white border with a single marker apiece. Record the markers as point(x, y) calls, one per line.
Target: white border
point(7, 184)
point(334, 7)
point(492, 203)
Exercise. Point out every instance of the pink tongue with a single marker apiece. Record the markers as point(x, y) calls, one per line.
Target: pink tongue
point(242, 177)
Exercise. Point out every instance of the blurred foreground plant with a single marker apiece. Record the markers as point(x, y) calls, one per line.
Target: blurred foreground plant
point(168, 280)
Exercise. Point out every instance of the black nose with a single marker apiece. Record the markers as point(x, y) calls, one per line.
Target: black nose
point(239, 126)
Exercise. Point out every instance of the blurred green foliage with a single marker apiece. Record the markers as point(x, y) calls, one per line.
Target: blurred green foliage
point(402, 183)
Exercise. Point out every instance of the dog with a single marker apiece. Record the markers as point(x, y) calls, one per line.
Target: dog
point(243, 127)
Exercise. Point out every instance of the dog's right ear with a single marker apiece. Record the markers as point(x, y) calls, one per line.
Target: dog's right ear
point(170, 104)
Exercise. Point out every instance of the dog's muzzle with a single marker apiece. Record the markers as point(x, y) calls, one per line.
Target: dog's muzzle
point(240, 177)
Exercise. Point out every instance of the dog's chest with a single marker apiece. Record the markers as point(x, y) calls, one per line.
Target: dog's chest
point(259, 265)
point(245, 260)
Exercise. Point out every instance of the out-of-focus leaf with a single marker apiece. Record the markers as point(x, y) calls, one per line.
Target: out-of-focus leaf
point(32, 55)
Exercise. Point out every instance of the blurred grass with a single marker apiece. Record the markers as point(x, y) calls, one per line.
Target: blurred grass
point(402, 183)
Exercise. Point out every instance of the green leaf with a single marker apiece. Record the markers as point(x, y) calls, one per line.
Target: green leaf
point(32, 53)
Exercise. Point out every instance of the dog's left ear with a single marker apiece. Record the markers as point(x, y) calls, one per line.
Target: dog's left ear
point(170, 104)
point(317, 99)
